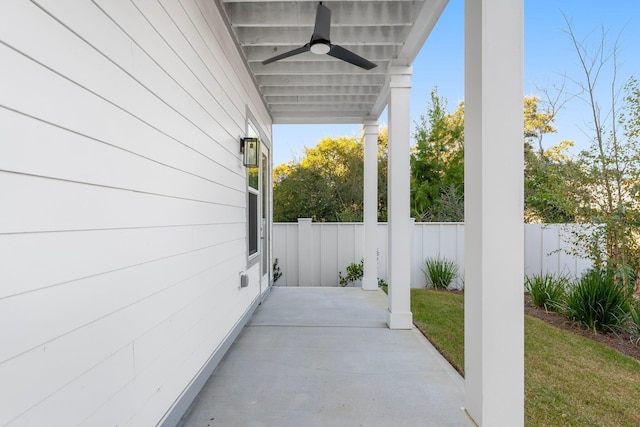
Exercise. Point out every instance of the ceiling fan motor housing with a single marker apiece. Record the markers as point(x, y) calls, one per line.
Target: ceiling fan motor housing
point(320, 47)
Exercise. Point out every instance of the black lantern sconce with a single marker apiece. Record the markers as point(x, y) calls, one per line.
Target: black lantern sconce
point(250, 147)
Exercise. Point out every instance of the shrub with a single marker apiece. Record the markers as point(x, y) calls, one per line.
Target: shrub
point(277, 273)
point(598, 302)
point(354, 272)
point(635, 318)
point(440, 272)
point(547, 291)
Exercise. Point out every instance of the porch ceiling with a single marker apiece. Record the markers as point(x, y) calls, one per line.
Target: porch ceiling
point(310, 88)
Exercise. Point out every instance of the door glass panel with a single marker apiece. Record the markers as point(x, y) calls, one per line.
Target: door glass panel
point(253, 200)
point(265, 214)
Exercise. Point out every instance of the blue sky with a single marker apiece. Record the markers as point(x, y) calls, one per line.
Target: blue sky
point(548, 56)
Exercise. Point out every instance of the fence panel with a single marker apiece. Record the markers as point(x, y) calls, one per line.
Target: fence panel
point(433, 240)
point(316, 258)
point(285, 250)
point(546, 247)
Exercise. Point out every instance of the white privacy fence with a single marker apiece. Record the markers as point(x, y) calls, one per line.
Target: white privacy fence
point(312, 254)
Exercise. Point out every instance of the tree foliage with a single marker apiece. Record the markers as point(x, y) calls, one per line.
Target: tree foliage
point(327, 183)
point(538, 122)
point(437, 163)
point(550, 174)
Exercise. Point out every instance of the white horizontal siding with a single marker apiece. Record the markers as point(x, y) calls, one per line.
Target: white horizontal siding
point(63, 257)
point(51, 368)
point(101, 295)
point(64, 205)
point(36, 143)
point(123, 220)
point(99, 383)
point(101, 100)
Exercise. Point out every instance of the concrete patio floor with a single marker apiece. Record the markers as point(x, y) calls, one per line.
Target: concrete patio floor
point(324, 357)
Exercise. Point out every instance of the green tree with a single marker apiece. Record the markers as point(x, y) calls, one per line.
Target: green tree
point(549, 175)
point(437, 163)
point(383, 164)
point(301, 192)
point(537, 124)
point(327, 183)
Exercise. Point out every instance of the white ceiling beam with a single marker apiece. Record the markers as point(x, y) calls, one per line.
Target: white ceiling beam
point(371, 52)
point(285, 14)
point(321, 80)
point(321, 99)
point(290, 108)
point(332, 117)
point(329, 66)
point(327, 3)
point(319, 90)
point(269, 36)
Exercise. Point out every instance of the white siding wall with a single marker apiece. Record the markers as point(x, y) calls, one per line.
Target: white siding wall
point(333, 246)
point(122, 205)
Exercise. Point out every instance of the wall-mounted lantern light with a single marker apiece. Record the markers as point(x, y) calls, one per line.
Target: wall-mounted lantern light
point(250, 147)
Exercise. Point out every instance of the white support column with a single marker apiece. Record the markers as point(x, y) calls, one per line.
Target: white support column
point(399, 316)
point(370, 279)
point(494, 230)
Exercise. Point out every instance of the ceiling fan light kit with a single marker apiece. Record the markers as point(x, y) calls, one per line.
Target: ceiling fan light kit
point(320, 43)
point(320, 48)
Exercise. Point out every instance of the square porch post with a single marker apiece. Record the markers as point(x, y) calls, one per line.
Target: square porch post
point(370, 279)
point(399, 316)
point(494, 230)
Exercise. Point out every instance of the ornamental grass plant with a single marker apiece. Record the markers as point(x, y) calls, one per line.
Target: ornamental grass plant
point(440, 272)
point(599, 302)
point(547, 291)
point(635, 318)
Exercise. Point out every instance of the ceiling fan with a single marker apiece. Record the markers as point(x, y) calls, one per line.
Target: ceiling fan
point(320, 43)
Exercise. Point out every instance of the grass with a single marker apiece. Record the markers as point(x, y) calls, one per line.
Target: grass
point(569, 380)
point(440, 316)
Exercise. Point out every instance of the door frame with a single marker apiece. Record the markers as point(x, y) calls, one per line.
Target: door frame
point(264, 212)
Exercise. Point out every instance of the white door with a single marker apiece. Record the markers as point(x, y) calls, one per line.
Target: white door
point(265, 221)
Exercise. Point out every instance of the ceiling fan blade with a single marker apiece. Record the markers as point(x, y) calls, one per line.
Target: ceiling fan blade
point(293, 52)
point(350, 57)
point(322, 28)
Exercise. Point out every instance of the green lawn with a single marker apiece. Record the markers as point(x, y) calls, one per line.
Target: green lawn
point(569, 380)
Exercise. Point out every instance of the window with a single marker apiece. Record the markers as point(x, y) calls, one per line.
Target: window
point(253, 207)
point(253, 223)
